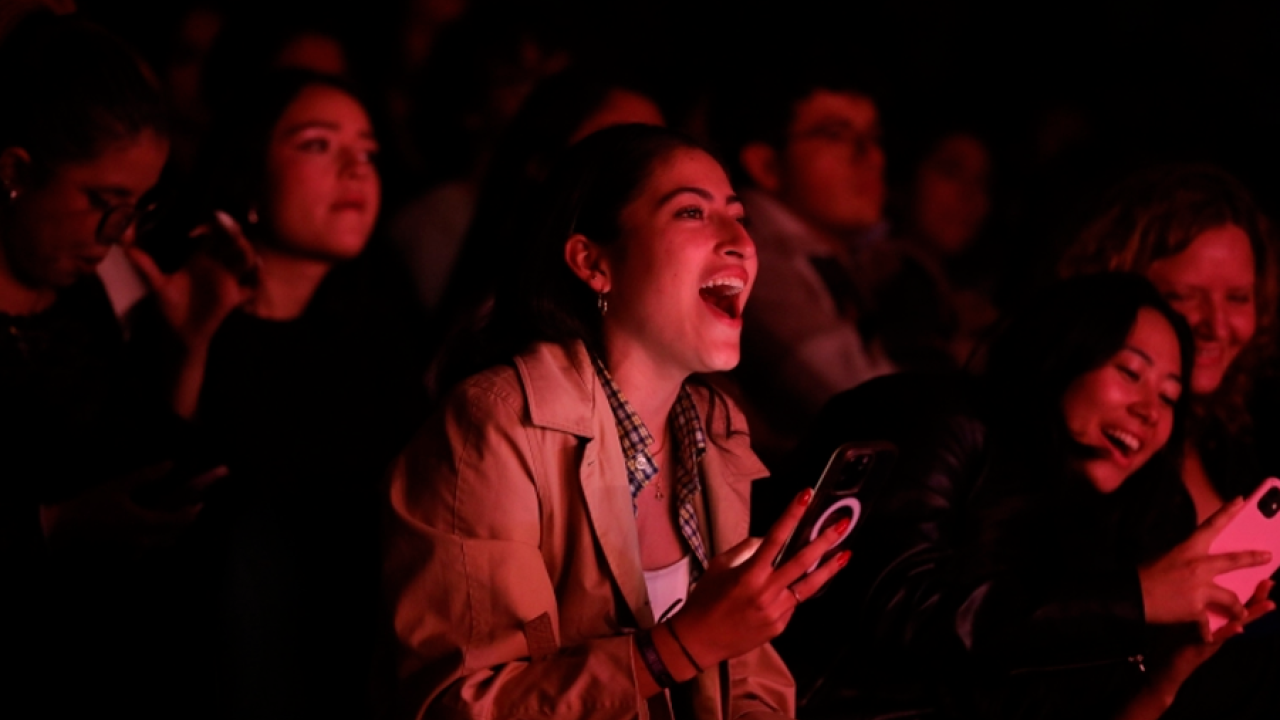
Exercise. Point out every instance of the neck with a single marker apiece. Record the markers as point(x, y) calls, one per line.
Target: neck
point(651, 389)
point(286, 284)
point(18, 298)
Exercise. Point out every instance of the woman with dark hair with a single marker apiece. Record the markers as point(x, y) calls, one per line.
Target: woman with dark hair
point(548, 524)
point(453, 262)
point(1033, 554)
point(1196, 233)
point(310, 383)
point(83, 138)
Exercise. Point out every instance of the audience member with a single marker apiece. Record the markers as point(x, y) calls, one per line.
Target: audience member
point(1032, 554)
point(635, 280)
point(312, 382)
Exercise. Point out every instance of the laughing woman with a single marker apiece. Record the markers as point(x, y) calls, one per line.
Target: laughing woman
point(548, 524)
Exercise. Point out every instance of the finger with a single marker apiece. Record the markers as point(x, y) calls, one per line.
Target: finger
point(740, 553)
point(782, 529)
point(1210, 528)
point(1206, 633)
point(809, 585)
point(1262, 592)
point(146, 266)
point(203, 481)
point(1258, 609)
point(1226, 562)
point(797, 566)
point(1226, 602)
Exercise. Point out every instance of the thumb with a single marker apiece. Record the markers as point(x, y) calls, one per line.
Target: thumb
point(146, 266)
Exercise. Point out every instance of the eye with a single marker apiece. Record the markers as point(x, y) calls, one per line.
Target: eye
point(1240, 298)
point(1167, 399)
point(744, 221)
point(690, 212)
point(1129, 373)
point(97, 201)
point(314, 145)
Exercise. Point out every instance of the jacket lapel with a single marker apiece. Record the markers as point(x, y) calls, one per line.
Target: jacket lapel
point(564, 394)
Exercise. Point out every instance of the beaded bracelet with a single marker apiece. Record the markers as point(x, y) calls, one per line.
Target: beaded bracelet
point(653, 661)
point(671, 628)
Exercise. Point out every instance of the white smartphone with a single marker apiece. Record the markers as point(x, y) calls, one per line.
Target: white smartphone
point(1257, 527)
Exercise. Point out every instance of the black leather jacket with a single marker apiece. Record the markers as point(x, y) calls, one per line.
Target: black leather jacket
point(984, 582)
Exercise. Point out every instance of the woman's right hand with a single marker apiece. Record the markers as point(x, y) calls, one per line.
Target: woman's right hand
point(1179, 587)
point(220, 276)
point(740, 604)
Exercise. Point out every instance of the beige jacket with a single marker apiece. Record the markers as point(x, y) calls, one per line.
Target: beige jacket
point(514, 564)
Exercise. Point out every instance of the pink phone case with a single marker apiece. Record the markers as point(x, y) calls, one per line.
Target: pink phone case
point(1257, 527)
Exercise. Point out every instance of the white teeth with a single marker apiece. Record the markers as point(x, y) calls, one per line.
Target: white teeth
point(1128, 439)
point(732, 284)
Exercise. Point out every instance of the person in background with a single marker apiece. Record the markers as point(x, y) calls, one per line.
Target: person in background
point(311, 381)
point(809, 149)
point(91, 446)
point(560, 112)
point(1032, 553)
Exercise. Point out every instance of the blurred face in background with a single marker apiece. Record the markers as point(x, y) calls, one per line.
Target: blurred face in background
point(951, 194)
point(323, 190)
point(63, 220)
point(831, 169)
point(1213, 284)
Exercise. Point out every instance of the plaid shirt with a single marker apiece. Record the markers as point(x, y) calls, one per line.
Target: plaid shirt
point(690, 444)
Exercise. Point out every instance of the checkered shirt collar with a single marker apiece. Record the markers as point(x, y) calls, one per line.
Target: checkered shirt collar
point(691, 444)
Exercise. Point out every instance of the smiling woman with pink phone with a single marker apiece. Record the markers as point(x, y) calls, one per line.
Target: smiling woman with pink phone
point(1033, 554)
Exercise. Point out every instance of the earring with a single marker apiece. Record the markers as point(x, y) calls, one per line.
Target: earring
point(252, 216)
point(13, 193)
point(602, 303)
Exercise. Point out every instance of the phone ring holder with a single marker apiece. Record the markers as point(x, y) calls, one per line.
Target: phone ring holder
point(854, 508)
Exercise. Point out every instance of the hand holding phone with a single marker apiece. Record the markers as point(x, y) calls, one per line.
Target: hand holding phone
point(852, 466)
point(1257, 527)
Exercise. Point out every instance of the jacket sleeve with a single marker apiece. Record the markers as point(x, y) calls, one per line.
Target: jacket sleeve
point(474, 607)
point(760, 686)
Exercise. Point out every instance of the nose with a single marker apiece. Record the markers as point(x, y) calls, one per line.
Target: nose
point(1208, 320)
point(1147, 407)
point(354, 163)
point(735, 240)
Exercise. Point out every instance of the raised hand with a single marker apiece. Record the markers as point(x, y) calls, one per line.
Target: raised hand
point(1179, 587)
point(221, 276)
point(740, 604)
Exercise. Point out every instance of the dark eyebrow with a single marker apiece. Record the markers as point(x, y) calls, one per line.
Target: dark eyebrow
point(1143, 354)
point(292, 130)
point(700, 192)
point(295, 129)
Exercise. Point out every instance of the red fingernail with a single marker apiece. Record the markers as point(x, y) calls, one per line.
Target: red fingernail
point(843, 558)
point(806, 496)
point(842, 526)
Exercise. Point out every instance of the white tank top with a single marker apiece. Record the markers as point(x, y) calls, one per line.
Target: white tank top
point(668, 587)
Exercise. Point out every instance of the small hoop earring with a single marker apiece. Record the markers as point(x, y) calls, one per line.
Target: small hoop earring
point(252, 216)
point(13, 194)
point(602, 303)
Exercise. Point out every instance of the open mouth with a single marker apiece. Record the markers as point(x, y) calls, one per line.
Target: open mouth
point(1125, 442)
point(724, 295)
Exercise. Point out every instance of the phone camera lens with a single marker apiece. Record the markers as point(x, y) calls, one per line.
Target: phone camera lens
point(1270, 503)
